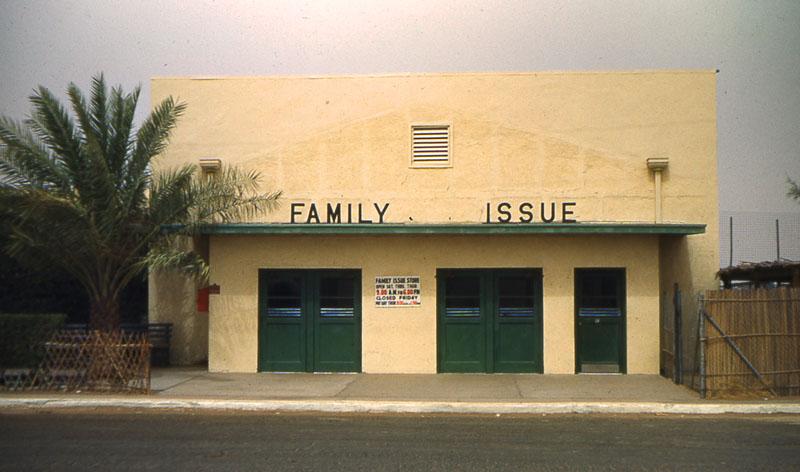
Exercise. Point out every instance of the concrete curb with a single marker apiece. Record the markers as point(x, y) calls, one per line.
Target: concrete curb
point(380, 406)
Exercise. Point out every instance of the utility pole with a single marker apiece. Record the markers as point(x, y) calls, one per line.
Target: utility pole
point(730, 234)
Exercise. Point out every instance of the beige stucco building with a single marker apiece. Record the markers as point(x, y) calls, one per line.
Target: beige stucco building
point(472, 222)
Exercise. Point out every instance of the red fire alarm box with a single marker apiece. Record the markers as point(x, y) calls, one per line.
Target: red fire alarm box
point(202, 300)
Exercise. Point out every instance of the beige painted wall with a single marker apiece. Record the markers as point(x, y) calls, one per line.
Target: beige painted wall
point(403, 340)
point(172, 299)
point(581, 137)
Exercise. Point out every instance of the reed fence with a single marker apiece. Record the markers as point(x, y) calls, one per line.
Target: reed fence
point(749, 342)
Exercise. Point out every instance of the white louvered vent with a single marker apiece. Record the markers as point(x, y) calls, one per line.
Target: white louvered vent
point(430, 145)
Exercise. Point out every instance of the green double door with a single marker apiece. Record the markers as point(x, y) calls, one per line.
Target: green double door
point(309, 321)
point(489, 320)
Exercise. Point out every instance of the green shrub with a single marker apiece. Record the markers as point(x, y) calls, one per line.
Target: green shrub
point(22, 337)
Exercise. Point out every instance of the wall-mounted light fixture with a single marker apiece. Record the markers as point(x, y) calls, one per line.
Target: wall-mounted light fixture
point(658, 165)
point(210, 165)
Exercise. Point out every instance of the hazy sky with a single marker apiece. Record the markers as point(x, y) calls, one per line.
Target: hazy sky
point(755, 45)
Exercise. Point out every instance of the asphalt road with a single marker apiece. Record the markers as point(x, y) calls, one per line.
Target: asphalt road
point(216, 441)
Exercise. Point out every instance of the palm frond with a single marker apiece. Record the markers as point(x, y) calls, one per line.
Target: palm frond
point(25, 160)
point(53, 126)
point(99, 110)
point(171, 195)
point(98, 186)
point(232, 195)
point(91, 139)
point(42, 224)
point(151, 140)
point(154, 133)
point(169, 257)
point(122, 109)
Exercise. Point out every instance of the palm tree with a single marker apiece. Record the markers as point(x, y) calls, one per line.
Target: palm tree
point(78, 192)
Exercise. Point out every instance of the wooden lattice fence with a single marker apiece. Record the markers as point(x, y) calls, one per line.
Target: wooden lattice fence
point(749, 342)
point(94, 361)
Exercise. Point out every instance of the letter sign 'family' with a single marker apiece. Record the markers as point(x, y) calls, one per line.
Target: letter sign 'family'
point(338, 213)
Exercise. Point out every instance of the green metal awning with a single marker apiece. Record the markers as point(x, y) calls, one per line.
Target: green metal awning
point(678, 229)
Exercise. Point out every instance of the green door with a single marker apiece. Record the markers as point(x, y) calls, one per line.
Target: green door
point(309, 321)
point(600, 320)
point(489, 320)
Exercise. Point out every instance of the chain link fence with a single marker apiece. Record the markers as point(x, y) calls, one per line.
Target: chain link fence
point(758, 237)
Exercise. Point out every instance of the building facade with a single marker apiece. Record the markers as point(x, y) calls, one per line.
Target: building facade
point(491, 222)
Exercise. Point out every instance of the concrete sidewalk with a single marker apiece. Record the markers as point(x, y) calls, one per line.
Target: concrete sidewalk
point(177, 388)
point(420, 387)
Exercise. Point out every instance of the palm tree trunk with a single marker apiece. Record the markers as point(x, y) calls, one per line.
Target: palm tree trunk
point(104, 314)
